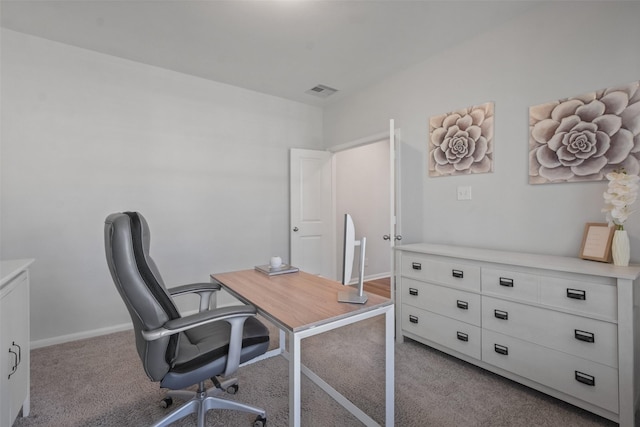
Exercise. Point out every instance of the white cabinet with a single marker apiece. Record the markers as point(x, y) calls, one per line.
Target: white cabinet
point(14, 340)
point(561, 325)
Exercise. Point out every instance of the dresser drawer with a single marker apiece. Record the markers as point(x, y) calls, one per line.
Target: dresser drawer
point(586, 380)
point(442, 271)
point(511, 284)
point(456, 335)
point(450, 302)
point(590, 339)
point(586, 297)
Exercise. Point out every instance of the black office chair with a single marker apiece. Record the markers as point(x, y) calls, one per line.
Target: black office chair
point(181, 351)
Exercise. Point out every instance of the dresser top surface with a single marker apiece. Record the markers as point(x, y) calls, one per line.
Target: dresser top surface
point(547, 262)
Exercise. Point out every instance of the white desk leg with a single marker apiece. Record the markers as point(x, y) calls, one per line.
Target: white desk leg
point(389, 368)
point(294, 380)
point(282, 344)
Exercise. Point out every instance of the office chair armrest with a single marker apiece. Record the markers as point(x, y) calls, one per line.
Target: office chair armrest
point(201, 318)
point(194, 288)
point(204, 290)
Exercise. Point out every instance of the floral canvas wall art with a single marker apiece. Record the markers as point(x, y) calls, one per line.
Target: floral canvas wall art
point(585, 137)
point(461, 142)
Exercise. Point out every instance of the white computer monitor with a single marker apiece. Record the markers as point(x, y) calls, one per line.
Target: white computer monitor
point(349, 247)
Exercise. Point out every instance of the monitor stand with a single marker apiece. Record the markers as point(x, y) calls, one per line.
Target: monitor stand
point(352, 297)
point(357, 296)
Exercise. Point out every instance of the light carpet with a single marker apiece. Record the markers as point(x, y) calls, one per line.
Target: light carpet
point(100, 382)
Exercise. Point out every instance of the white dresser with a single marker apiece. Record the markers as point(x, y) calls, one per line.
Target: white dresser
point(14, 340)
point(561, 325)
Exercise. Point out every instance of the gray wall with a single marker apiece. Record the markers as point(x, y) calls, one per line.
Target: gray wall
point(86, 134)
point(557, 50)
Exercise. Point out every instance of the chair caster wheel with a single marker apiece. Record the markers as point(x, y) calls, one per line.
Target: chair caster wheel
point(232, 389)
point(260, 421)
point(166, 402)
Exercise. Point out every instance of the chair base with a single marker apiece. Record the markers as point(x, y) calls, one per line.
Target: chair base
point(201, 401)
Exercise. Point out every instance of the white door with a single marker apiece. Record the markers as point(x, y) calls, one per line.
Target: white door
point(311, 211)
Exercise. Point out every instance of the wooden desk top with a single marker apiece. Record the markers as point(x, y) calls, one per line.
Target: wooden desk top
point(296, 300)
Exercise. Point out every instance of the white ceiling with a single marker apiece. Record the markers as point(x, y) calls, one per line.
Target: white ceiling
point(282, 48)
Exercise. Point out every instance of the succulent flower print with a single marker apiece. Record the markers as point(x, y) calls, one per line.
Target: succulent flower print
point(461, 142)
point(586, 137)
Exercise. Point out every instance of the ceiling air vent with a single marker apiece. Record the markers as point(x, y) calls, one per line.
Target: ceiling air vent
point(321, 91)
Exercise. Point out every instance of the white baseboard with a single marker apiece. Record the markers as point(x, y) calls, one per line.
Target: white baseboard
point(226, 301)
point(371, 277)
point(80, 335)
point(97, 332)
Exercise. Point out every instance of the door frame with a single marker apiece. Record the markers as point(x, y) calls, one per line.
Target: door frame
point(393, 135)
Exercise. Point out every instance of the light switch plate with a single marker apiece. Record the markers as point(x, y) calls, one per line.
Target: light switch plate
point(464, 192)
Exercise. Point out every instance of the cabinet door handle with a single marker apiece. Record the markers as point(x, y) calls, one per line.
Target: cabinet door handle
point(462, 304)
point(458, 274)
point(413, 319)
point(506, 282)
point(583, 378)
point(502, 315)
point(14, 368)
point(584, 335)
point(462, 336)
point(13, 344)
point(501, 349)
point(416, 266)
point(576, 294)
point(413, 291)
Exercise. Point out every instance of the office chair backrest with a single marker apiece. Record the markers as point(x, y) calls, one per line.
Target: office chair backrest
point(126, 237)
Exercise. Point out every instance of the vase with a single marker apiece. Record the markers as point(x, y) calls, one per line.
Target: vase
point(620, 248)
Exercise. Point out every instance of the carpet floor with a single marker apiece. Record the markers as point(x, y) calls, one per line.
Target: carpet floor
point(100, 382)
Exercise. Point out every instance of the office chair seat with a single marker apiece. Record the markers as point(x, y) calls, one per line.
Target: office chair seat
point(180, 351)
point(203, 350)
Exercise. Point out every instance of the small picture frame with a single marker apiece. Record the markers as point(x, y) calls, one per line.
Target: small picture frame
point(596, 242)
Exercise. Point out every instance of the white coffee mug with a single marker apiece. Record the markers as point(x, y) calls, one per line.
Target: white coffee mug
point(275, 262)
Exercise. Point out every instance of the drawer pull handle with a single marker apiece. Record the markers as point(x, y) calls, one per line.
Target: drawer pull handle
point(413, 291)
point(462, 304)
point(13, 344)
point(413, 319)
point(462, 336)
point(501, 349)
point(14, 367)
point(506, 282)
point(576, 294)
point(416, 266)
point(585, 378)
point(499, 314)
point(584, 335)
point(458, 274)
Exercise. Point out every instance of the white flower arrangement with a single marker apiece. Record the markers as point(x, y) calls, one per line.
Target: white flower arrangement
point(620, 195)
